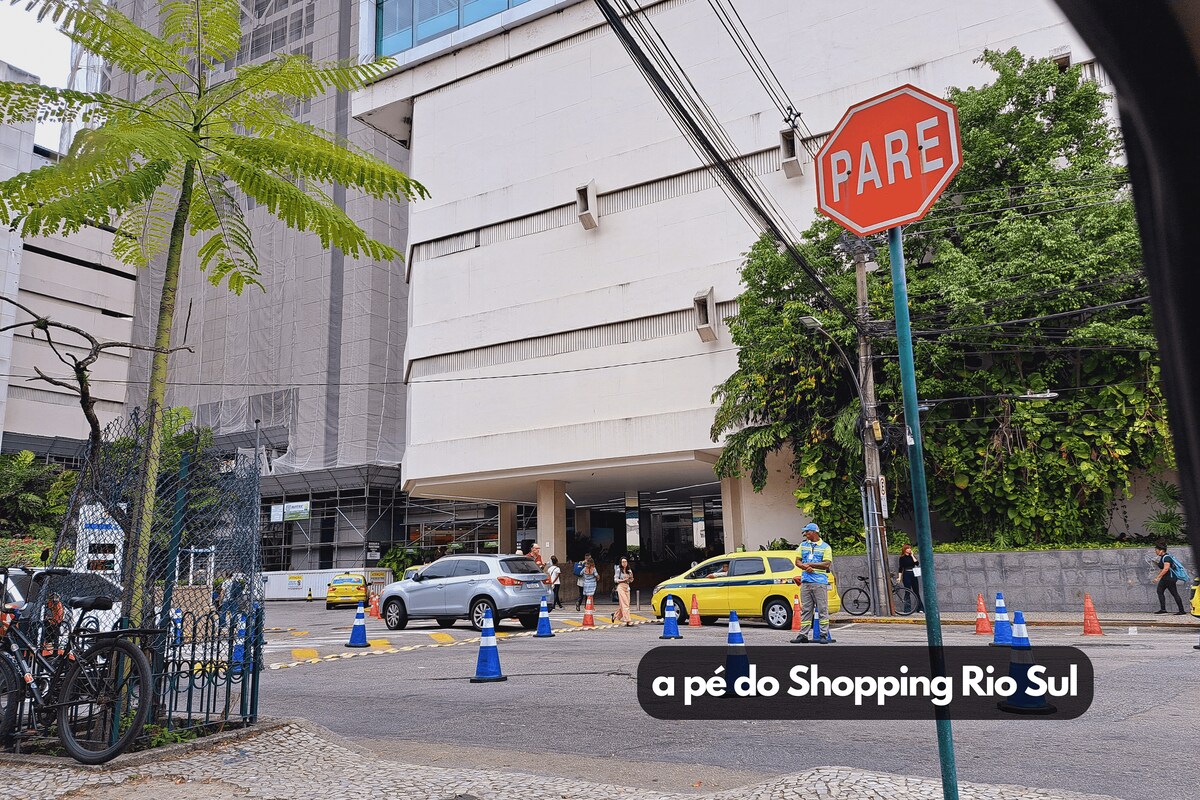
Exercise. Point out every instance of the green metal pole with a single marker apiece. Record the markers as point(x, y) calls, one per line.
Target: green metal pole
point(916, 468)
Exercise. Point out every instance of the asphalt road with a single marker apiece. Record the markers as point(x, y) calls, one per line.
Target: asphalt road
point(570, 707)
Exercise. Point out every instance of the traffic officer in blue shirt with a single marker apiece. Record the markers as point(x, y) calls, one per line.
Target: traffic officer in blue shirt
point(815, 557)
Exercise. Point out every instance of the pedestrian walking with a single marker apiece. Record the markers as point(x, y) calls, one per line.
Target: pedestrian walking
point(815, 558)
point(232, 591)
point(623, 579)
point(535, 553)
point(1168, 578)
point(554, 575)
point(590, 578)
point(578, 570)
point(909, 575)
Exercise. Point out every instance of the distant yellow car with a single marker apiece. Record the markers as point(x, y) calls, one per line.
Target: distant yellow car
point(752, 584)
point(346, 589)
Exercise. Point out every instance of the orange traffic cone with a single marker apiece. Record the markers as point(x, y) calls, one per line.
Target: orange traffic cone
point(588, 620)
point(796, 612)
point(375, 606)
point(694, 617)
point(1091, 622)
point(983, 625)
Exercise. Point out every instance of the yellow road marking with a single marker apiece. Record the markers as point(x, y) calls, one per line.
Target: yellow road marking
point(299, 633)
point(639, 618)
point(379, 643)
point(302, 653)
point(571, 622)
point(444, 638)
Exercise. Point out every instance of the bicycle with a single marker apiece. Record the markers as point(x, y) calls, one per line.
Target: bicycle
point(856, 600)
point(96, 687)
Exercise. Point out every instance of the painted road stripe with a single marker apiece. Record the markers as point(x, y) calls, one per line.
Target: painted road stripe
point(571, 622)
point(443, 638)
point(379, 643)
point(299, 633)
point(302, 653)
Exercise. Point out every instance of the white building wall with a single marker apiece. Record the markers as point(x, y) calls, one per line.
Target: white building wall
point(505, 129)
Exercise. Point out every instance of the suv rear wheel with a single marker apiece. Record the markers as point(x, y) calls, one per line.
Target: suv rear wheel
point(478, 611)
point(777, 614)
point(395, 615)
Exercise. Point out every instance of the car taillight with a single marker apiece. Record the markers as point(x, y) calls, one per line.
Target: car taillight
point(504, 580)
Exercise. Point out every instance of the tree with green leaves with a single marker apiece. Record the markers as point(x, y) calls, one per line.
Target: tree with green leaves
point(174, 163)
point(1024, 279)
point(33, 496)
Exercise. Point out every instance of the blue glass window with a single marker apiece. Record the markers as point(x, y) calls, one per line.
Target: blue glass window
point(404, 24)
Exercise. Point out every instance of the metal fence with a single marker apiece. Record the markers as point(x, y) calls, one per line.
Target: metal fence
point(185, 567)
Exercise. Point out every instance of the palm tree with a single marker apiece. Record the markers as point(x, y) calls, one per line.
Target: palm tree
point(173, 162)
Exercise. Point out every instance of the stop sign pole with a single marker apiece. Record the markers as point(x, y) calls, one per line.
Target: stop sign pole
point(884, 165)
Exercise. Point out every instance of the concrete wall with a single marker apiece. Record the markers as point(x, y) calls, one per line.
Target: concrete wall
point(1043, 580)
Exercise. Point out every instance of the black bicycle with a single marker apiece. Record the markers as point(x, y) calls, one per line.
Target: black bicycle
point(95, 688)
point(856, 600)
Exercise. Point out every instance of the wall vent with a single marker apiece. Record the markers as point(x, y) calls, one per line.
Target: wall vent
point(586, 206)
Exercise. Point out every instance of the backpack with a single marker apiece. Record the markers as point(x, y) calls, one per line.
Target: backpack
point(1177, 570)
point(578, 569)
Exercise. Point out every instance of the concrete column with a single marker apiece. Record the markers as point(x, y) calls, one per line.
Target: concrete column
point(732, 513)
point(552, 519)
point(583, 531)
point(508, 528)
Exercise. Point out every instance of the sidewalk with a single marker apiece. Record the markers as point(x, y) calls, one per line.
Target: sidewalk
point(1119, 622)
point(288, 759)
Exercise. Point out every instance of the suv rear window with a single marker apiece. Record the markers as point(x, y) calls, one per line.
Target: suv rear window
point(520, 566)
point(781, 564)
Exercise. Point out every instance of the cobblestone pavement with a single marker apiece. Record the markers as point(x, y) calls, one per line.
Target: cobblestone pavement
point(297, 759)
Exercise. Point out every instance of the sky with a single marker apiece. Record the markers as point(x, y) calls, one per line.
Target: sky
point(35, 47)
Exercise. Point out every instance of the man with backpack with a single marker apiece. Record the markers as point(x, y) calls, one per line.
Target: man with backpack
point(1168, 579)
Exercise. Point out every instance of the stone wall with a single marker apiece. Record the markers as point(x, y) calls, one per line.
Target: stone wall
point(1043, 580)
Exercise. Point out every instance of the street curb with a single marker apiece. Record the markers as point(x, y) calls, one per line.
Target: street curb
point(169, 752)
point(1051, 623)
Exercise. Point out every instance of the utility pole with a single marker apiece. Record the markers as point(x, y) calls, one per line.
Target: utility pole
point(872, 436)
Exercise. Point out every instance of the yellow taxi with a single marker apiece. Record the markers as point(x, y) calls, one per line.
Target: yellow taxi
point(346, 589)
point(752, 584)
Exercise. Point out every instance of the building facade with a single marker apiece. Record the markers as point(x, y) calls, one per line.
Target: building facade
point(568, 278)
point(74, 280)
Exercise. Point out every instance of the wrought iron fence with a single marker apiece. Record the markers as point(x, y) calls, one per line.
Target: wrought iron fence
point(186, 566)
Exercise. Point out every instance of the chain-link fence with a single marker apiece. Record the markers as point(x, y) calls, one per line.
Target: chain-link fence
point(184, 566)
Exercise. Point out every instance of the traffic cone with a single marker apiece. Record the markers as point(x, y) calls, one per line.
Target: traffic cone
point(1091, 621)
point(983, 626)
point(589, 620)
point(796, 613)
point(817, 637)
point(1020, 662)
point(694, 617)
point(487, 669)
point(374, 605)
point(1004, 630)
point(177, 626)
point(737, 662)
point(543, 629)
point(309, 598)
point(670, 620)
point(358, 634)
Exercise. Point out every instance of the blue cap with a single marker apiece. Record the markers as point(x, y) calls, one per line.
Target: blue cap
point(812, 526)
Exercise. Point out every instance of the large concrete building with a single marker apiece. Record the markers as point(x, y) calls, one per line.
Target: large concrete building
point(74, 280)
point(575, 247)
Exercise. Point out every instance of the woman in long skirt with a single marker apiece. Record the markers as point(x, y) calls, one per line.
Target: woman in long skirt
point(623, 578)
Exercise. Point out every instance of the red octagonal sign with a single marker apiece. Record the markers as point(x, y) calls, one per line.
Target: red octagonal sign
point(887, 160)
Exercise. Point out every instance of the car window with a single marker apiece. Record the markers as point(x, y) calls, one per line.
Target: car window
point(348, 580)
point(747, 566)
point(520, 566)
point(469, 566)
point(716, 569)
point(781, 564)
point(439, 569)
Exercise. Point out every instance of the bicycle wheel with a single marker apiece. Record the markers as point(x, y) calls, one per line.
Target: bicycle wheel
point(12, 691)
point(856, 601)
point(104, 700)
point(906, 600)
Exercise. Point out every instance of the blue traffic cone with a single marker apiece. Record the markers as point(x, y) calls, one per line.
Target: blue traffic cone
point(239, 647)
point(543, 630)
point(670, 621)
point(1003, 634)
point(819, 636)
point(487, 670)
point(1020, 662)
point(177, 626)
point(737, 663)
point(358, 634)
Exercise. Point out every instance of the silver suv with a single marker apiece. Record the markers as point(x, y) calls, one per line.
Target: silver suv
point(463, 587)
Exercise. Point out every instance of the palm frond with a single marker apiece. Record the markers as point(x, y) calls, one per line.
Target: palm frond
point(33, 102)
point(297, 77)
point(143, 231)
point(210, 29)
point(101, 202)
point(101, 29)
point(301, 211)
point(300, 151)
point(227, 255)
